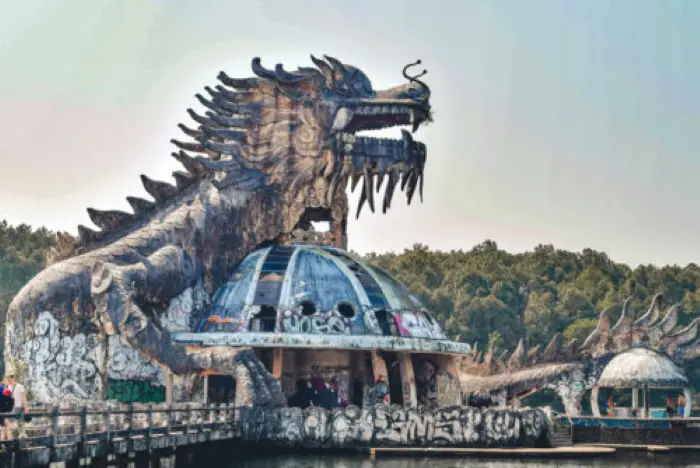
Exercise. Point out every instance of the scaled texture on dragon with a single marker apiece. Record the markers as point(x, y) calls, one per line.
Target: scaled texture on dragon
point(572, 369)
point(270, 155)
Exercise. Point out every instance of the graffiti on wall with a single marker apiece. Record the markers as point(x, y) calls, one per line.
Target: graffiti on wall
point(125, 363)
point(418, 325)
point(186, 311)
point(216, 323)
point(394, 425)
point(332, 322)
point(65, 355)
point(134, 391)
point(376, 394)
point(61, 365)
point(571, 387)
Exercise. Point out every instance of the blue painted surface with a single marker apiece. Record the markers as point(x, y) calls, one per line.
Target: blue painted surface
point(622, 423)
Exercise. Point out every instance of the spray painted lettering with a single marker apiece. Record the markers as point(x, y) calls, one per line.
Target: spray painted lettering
point(394, 425)
point(294, 321)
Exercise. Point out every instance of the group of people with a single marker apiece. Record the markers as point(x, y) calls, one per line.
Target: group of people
point(676, 407)
point(317, 392)
point(13, 399)
point(673, 407)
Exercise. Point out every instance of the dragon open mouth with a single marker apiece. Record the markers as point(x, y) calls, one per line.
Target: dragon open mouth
point(400, 161)
point(379, 116)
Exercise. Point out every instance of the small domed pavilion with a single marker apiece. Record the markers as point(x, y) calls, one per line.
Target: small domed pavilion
point(641, 368)
point(320, 318)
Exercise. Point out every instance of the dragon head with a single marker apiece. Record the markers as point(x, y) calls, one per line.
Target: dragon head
point(290, 138)
point(296, 132)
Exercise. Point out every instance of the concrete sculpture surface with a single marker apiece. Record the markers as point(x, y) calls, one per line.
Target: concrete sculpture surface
point(573, 369)
point(272, 154)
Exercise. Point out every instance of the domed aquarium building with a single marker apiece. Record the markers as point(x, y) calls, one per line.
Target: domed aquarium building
point(334, 329)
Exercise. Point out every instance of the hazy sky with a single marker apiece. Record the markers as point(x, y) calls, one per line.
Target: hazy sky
point(575, 123)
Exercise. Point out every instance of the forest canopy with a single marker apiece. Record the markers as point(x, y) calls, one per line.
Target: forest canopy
point(480, 294)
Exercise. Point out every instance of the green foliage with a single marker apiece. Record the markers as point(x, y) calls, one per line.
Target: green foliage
point(535, 294)
point(22, 255)
point(580, 329)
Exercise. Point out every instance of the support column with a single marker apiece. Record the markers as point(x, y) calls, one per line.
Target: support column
point(206, 389)
point(168, 387)
point(688, 402)
point(595, 408)
point(277, 361)
point(449, 389)
point(408, 380)
point(379, 370)
point(646, 402)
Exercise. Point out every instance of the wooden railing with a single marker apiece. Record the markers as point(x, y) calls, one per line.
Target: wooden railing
point(64, 435)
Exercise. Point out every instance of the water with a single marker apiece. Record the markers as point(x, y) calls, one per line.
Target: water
point(627, 460)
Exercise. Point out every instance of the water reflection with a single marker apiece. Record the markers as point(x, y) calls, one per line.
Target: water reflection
point(325, 461)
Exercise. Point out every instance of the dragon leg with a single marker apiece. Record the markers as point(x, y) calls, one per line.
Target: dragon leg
point(119, 293)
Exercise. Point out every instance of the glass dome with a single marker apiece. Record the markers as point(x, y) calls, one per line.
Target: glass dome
point(318, 290)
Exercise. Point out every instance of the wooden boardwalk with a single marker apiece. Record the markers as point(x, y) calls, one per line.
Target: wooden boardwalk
point(565, 452)
point(146, 435)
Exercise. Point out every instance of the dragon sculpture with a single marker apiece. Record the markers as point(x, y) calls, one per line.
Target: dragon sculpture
point(488, 379)
point(272, 154)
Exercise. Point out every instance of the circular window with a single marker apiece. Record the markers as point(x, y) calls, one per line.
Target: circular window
point(346, 309)
point(307, 308)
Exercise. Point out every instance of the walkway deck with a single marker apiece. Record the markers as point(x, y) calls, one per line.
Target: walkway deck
point(145, 433)
point(648, 448)
point(565, 452)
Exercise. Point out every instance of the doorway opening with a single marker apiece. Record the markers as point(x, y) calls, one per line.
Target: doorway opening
point(221, 389)
point(395, 384)
point(383, 320)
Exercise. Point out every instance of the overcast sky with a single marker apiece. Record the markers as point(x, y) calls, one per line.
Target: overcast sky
point(575, 123)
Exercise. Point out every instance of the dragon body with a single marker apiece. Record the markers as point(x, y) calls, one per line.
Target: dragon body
point(270, 155)
point(572, 369)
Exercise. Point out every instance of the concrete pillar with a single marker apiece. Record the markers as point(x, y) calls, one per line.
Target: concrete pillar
point(635, 398)
point(595, 408)
point(379, 369)
point(449, 389)
point(688, 402)
point(169, 387)
point(408, 380)
point(646, 402)
point(277, 361)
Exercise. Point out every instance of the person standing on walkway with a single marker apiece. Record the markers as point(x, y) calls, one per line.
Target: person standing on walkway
point(680, 405)
point(6, 404)
point(670, 406)
point(19, 394)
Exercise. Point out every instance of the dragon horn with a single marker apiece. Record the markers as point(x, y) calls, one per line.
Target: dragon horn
point(336, 64)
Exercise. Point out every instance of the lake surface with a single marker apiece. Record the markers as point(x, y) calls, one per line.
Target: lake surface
point(639, 460)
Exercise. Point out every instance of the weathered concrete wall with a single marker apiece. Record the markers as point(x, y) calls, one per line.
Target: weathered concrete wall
point(64, 356)
point(392, 425)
